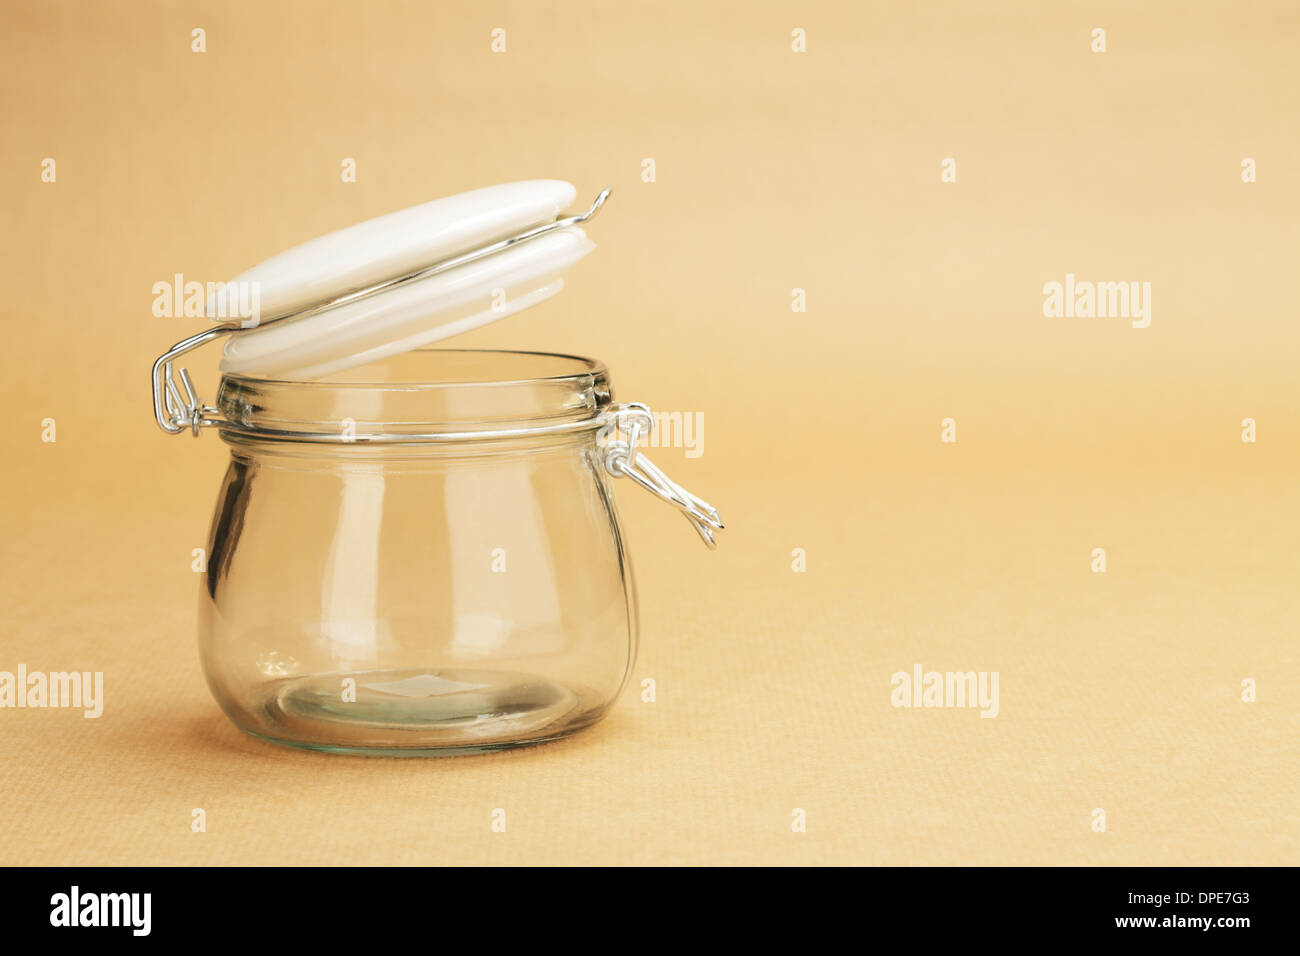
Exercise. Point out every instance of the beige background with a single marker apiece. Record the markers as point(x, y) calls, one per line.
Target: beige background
point(775, 170)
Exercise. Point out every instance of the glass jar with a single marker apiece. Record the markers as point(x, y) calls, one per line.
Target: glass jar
point(422, 556)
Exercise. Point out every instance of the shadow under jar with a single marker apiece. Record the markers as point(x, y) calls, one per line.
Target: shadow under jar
point(422, 556)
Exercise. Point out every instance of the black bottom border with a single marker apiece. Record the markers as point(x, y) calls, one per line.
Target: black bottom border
point(1175, 905)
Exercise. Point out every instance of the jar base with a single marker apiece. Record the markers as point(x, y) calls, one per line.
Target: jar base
point(419, 712)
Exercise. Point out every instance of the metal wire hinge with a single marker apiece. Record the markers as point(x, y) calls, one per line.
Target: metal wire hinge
point(177, 406)
point(623, 459)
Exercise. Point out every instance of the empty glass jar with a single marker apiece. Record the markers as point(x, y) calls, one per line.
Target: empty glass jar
point(420, 556)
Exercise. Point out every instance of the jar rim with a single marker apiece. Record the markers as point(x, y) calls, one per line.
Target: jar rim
point(422, 395)
point(583, 366)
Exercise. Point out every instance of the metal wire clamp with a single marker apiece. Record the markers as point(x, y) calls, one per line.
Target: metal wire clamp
point(623, 459)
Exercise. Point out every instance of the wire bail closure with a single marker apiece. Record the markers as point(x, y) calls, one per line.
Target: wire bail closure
point(173, 410)
point(177, 406)
point(623, 459)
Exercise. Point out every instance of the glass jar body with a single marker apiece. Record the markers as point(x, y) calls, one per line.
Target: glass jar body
point(413, 599)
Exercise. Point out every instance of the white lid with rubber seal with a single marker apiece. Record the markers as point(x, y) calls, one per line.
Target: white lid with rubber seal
point(407, 279)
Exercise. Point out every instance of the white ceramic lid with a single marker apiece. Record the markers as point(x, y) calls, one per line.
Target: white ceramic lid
point(415, 313)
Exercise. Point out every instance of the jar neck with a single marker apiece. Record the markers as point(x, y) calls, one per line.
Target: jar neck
point(429, 396)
